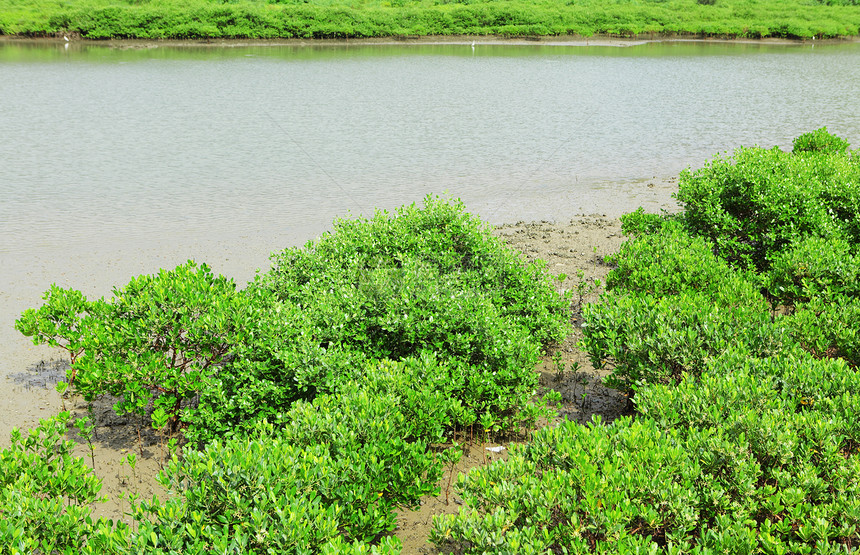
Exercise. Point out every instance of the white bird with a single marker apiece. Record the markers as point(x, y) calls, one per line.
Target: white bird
point(473, 45)
point(65, 37)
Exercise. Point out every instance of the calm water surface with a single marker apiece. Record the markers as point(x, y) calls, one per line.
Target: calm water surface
point(106, 147)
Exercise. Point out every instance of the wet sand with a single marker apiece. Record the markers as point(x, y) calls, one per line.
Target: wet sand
point(30, 372)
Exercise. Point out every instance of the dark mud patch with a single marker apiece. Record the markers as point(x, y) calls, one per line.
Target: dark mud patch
point(45, 374)
point(113, 438)
point(114, 442)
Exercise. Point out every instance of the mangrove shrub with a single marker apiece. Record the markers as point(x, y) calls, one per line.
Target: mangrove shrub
point(736, 325)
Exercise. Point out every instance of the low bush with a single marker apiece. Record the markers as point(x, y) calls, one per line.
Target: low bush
point(425, 283)
point(819, 141)
point(792, 391)
point(670, 305)
point(438, 239)
point(316, 396)
point(265, 494)
point(576, 489)
point(327, 484)
point(428, 281)
point(669, 261)
point(46, 495)
point(645, 339)
point(639, 222)
point(58, 322)
point(757, 202)
point(755, 455)
point(828, 328)
point(154, 343)
point(736, 324)
point(813, 267)
point(282, 362)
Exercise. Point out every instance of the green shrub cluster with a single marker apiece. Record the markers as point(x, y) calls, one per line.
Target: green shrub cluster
point(828, 328)
point(756, 203)
point(753, 456)
point(315, 399)
point(429, 285)
point(154, 343)
point(191, 19)
point(260, 494)
point(735, 325)
point(46, 495)
point(820, 141)
point(268, 494)
point(674, 305)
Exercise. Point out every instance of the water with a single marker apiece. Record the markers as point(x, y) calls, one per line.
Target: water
point(127, 146)
point(117, 161)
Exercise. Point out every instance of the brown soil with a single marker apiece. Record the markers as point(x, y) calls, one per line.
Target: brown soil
point(568, 248)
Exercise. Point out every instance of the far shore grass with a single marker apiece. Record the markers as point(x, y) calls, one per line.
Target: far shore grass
point(305, 19)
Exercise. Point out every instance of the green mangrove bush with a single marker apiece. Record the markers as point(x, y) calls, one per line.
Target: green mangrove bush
point(265, 494)
point(424, 284)
point(735, 324)
point(819, 141)
point(813, 268)
point(314, 400)
point(153, 344)
point(260, 495)
point(828, 328)
point(757, 202)
point(671, 304)
point(46, 495)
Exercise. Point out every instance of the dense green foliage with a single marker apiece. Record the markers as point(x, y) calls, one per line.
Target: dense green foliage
point(675, 305)
point(269, 494)
point(429, 285)
point(319, 394)
point(755, 203)
point(156, 340)
point(735, 325)
point(820, 141)
point(46, 496)
point(159, 19)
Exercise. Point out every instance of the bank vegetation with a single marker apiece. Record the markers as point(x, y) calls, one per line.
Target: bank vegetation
point(320, 19)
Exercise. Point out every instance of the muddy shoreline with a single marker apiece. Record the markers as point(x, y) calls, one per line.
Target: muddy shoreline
point(560, 40)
